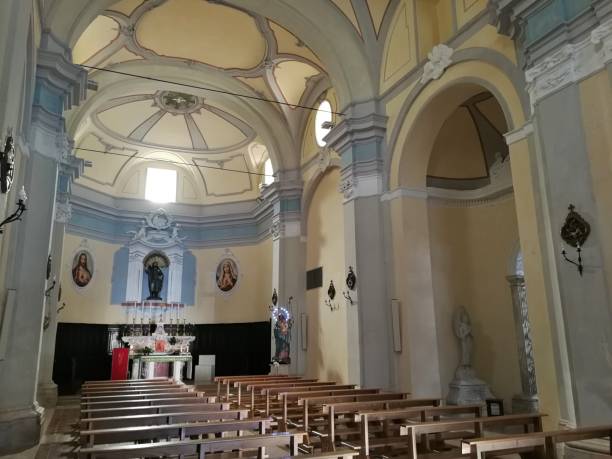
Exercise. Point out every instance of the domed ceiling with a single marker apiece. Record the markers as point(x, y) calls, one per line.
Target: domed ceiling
point(254, 56)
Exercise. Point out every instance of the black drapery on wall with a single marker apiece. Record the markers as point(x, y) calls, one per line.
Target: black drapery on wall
point(81, 351)
point(81, 354)
point(240, 349)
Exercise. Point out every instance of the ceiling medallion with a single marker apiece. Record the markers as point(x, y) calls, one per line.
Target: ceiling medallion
point(178, 102)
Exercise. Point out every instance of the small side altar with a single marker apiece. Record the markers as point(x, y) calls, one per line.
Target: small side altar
point(157, 351)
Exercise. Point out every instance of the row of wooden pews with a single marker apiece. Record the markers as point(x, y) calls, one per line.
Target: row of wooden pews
point(268, 416)
point(159, 417)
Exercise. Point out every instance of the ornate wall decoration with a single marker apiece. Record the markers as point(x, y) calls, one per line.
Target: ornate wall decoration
point(440, 58)
point(227, 274)
point(7, 165)
point(63, 212)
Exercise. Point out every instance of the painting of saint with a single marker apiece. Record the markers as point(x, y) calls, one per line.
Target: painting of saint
point(82, 270)
point(227, 275)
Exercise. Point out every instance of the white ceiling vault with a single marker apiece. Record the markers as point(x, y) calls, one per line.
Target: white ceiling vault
point(282, 50)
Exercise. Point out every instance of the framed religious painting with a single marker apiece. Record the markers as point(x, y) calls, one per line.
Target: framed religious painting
point(227, 274)
point(82, 271)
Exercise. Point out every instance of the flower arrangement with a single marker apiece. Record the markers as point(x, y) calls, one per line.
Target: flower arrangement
point(147, 350)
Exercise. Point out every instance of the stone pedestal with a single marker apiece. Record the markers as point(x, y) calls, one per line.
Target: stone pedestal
point(525, 404)
point(276, 370)
point(466, 388)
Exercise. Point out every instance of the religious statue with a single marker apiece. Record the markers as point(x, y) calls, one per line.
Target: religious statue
point(282, 339)
point(156, 281)
point(466, 387)
point(463, 331)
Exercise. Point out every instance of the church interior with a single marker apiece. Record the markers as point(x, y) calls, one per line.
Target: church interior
point(320, 228)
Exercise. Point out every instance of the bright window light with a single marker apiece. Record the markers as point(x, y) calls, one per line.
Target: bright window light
point(269, 172)
point(323, 115)
point(160, 185)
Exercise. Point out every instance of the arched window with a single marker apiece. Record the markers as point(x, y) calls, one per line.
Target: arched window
point(269, 172)
point(323, 116)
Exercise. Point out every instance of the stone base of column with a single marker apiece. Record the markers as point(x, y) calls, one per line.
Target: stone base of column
point(525, 404)
point(20, 429)
point(47, 394)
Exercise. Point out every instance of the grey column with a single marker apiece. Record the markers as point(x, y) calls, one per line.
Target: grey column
point(359, 139)
point(527, 401)
point(289, 260)
point(59, 85)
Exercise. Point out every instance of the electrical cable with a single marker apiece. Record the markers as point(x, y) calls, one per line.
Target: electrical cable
point(204, 88)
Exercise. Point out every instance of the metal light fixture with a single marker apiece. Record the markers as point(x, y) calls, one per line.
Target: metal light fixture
point(21, 208)
point(575, 232)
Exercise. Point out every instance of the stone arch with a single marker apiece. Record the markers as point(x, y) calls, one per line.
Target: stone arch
point(311, 186)
point(423, 115)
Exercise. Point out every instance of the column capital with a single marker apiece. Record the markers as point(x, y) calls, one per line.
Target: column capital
point(63, 211)
point(357, 129)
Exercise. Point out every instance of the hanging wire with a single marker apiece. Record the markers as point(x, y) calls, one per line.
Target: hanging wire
point(169, 161)
point(204, 88)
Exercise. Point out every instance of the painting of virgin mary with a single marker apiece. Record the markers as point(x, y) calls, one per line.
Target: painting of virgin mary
point(227, 275)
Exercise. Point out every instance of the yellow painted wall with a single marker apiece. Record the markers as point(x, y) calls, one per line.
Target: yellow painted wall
point(470, 252)
point(248, 303)
point(327, 333)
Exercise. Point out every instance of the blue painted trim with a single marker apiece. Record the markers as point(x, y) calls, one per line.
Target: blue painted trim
point(556, 13)
point(47, 98)
point(290, 204)
point(189, 278)
point(120, 275)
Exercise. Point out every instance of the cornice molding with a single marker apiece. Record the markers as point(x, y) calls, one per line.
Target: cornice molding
point(570, 64)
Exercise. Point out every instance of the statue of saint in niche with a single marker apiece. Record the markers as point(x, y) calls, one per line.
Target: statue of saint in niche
point(463, 331)
point(156, 280)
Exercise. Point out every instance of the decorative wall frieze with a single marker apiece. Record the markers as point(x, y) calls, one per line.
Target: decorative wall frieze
point(440, 58)
point(63, 211)
point(417, 193)
point(361, 186)
point(570, 64)
point(284, 228)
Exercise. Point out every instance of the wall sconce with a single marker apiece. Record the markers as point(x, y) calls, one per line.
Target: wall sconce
point(274, 301)
point(7, 164)
point(575, 232)
point(50, 288)
point(331, 293)
point(351, 282)
point(21, 208)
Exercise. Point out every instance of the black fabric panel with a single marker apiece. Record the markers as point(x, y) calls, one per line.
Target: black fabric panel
point(81, 351)
point(81, 354)
point(240, 349)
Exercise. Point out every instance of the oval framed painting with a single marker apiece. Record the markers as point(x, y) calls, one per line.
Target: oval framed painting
point(82, 271)
point(227, 275)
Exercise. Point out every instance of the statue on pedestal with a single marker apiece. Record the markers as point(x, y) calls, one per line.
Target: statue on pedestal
point(466, 388)
point(156, 281)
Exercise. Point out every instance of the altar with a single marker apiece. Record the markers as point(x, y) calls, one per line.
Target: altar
point(151, 354)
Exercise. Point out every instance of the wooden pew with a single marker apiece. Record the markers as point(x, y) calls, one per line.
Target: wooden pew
point(131, 410)
point(253, 389)
point(198, 448)
point(460, 428)
point(332, 410)
point(242, 383)
point(136, 390)
point(179, 431)
point(227, 380)
point(147, 402)
point(313, 406)
point(117, 398)
point(126, 382)
point(295, 396)
point(161, 419)
point(547, 441)
point(273, 395)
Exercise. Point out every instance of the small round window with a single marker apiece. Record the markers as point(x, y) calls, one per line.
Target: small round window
point(322, 119)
